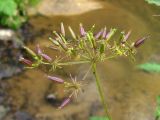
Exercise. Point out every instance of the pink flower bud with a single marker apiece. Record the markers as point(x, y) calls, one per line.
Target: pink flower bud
point(65, 102)
point(107, 34)
point(62, 29)
point(140, 42)
point(38, 50)
point(110, 33)
point(25, 61)
point(56, 79)
point(82, 31)
point(99, 34)
point(104, 32)
point(46, 57)
point(126, 36)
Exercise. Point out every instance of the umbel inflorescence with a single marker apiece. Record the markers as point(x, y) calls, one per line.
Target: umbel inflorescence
point(85, 48)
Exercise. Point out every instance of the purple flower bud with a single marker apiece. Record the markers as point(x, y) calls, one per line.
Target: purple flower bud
point(82, 31)
point(107, 34)
point(45, 56)
point(38, 49)
point(25, 61)
point(104, 32)
point(110, 33)
point(62, 29)
point(65, 102)
point(56, 79)
point(127, 36)
point(99, 34)
point(139, 42)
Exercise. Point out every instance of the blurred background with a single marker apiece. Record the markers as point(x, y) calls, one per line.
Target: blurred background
point(130, 92)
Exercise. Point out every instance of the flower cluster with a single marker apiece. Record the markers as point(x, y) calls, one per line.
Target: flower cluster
point(92, 47)
point(87, 47)
point(38, 58)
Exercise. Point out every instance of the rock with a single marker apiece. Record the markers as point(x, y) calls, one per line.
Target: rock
point(2, 97)
point(79, 109)
point(23, 116)
point(7, 70)
point(52, 99)
point(64, 7)
point(10, 50)
point(28, 32)
point(6, 34)
point(3, 112)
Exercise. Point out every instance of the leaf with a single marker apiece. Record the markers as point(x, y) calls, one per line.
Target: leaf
point(12, 22)
point(13, 12)
point(8, 7)
point(156, 2)
point(158, 100)
point(157, 113)
point(33, 2)
point(150, 67)
point(28, 2)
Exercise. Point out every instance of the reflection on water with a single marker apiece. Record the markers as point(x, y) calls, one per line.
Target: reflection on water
point(130, 93)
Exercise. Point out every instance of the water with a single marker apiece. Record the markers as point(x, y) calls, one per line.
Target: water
point(130, 93)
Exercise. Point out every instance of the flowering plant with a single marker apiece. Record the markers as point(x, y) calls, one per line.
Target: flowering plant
point(86, 48)
point(13, 13)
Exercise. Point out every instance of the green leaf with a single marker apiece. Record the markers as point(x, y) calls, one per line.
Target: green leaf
point(13, 12)
point(150, 67)
point(28, 2)
point(158, 100)
point(34, 2)
point(12, 22)
point(18, 1)
point(8, 7)
point(157, 113)
point(156, 2)
point(98, 118)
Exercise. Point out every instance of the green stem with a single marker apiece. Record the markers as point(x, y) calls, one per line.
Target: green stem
point(110, 57)
point(100, 90)
point(73, 63)
point(67, 63)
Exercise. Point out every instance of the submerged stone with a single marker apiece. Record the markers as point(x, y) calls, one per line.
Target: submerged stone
point(64, 7)
point(23, 116)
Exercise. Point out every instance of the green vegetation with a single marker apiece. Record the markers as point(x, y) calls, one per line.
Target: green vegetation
point(13, 12)
point(156, 2)
point(98, 118)
point(157, 113)
point(150, 67)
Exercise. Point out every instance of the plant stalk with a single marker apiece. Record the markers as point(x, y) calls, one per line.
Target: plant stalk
point(67, 63)
point(100, 90)
point(73, 63)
